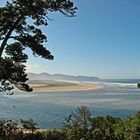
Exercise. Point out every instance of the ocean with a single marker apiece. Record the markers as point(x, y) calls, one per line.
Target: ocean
point(118, 98)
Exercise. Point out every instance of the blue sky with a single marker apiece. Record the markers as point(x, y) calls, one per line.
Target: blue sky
point(103, 40)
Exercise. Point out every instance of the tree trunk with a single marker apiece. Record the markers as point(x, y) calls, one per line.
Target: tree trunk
point(8, 35)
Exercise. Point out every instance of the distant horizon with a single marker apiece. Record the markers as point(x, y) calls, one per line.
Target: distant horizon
point(81, 75)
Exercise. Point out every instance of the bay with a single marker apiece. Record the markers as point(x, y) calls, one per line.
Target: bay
point(50, 109)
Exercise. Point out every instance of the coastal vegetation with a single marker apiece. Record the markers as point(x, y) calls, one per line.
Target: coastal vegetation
point(79, 125)
point(138, 85)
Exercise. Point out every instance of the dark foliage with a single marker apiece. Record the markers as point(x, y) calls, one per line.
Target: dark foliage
point(20, 22)
point(99, 128)
point(29, 124)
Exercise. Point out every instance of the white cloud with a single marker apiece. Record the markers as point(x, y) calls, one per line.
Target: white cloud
point(32, 67)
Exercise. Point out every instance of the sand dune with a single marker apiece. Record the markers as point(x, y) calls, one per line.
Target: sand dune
point(64, 87)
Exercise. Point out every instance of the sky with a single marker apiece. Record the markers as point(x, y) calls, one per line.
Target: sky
point(103, 40)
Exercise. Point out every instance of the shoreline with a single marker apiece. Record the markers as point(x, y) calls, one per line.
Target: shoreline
point(63, 88)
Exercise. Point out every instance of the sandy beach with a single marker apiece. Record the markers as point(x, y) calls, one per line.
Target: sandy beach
point(65, 87)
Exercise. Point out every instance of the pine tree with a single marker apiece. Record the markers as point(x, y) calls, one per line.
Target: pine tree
point(20, 22)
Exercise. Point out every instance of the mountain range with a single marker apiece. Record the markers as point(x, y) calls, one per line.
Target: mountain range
point(63, 77)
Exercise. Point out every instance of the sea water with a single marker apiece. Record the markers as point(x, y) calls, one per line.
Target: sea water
point(50, 109)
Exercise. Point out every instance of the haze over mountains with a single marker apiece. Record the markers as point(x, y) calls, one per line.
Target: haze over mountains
point(55, 77)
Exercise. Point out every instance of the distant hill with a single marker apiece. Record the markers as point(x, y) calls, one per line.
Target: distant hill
point(47, 76)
